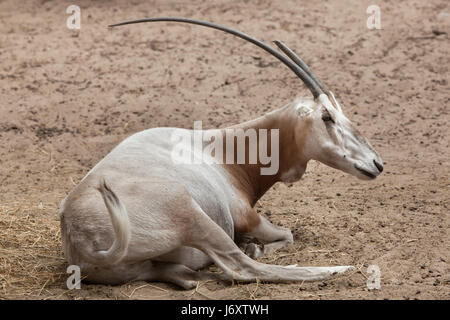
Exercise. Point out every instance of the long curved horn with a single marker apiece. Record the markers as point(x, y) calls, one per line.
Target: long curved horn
point(302, 74)
point(302, 64)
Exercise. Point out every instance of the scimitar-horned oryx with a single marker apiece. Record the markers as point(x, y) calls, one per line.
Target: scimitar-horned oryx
point(140, 215)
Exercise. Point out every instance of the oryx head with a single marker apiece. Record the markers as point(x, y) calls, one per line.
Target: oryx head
point(330, 137)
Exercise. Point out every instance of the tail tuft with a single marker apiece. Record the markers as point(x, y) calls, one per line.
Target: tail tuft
point(121, 226)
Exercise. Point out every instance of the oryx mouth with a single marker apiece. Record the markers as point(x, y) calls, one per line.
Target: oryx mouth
point(365, 172)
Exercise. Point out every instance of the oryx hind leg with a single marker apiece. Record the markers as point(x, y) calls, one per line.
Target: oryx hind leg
point(181, 275)
point(148, 270)
point(272, 238)
point(212, 240)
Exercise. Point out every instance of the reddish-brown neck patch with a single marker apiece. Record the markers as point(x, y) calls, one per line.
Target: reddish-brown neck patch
point(247, 178)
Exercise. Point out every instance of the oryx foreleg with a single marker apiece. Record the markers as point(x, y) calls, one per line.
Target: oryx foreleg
point(236, 265)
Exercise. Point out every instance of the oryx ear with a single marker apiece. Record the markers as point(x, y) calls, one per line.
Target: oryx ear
point(303, 111)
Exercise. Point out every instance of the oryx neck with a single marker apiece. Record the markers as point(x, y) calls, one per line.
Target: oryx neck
point(247, 177)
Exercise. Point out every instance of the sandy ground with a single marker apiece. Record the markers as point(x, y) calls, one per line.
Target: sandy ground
point(68, 97)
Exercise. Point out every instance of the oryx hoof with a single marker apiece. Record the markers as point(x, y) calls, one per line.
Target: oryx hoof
point(252, 250)
point(341, 269)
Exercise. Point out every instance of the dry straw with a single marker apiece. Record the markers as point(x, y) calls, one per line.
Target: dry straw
point(31, 260)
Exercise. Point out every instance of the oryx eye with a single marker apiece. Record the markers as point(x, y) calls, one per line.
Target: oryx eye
point(326, 117)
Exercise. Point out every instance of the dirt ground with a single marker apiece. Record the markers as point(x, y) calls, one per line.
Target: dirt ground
point(68, 97)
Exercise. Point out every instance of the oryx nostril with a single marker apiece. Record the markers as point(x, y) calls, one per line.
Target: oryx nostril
point(379, 166)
